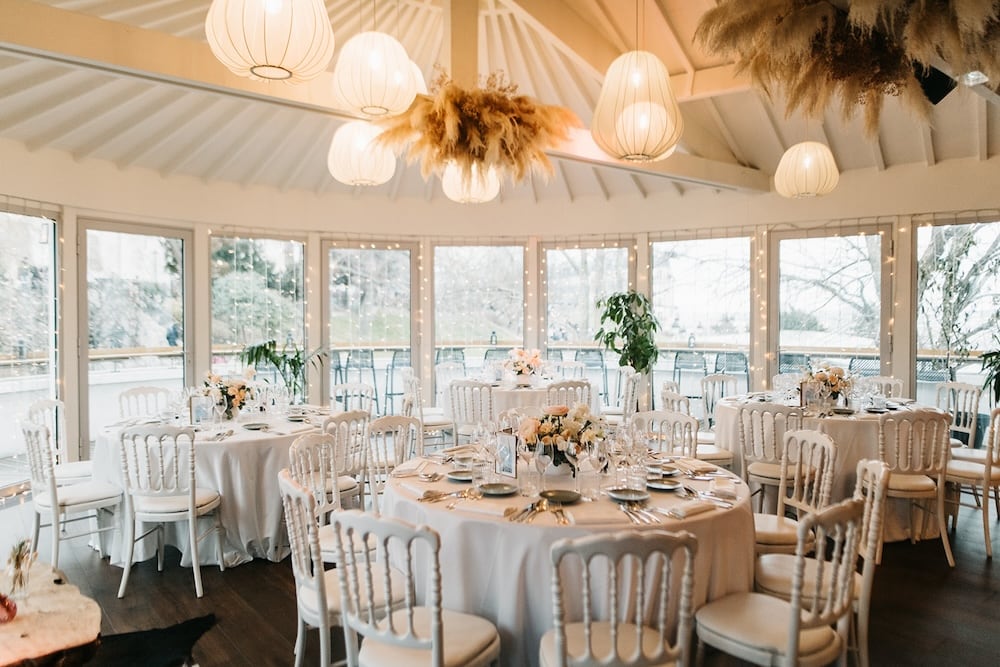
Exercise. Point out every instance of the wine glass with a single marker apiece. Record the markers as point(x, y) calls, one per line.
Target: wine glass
point(526, 451)
point(220, 411)
point(543, 457)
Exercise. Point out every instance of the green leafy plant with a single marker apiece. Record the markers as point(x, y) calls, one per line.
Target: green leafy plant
point(991, 365)
point(628, 327)
point(290, 362)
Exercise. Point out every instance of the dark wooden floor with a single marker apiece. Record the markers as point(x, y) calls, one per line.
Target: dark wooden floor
point(923, 611)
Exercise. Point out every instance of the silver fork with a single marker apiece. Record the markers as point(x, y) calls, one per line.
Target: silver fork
point(632, 516)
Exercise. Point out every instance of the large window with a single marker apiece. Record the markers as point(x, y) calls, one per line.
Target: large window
point(27, 329)
point(135, 316)
point(701, 297)
point(958, 303)
point(478, 302)
point(830, 302)
point(257, 296)
point(369, 318)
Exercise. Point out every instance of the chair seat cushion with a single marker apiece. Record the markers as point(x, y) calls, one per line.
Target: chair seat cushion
point(205, 500)
point(713, 453)
point(706, 437)
point(466, 637)
point(328, 545)
point(436, 421)
point(773, 576)
point(758, 623)
point(611, 411)
point(971, 471)
point(308, 600)
point(911, 483)
point(84, 493)
point(774, 529)
point(968, 454)
point(767, 470)
point(600, 639)
point(73, 471)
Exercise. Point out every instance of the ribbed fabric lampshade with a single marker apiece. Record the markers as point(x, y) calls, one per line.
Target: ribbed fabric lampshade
point(356, 159)
point(288, 40)
point(637, 117)
point(806, 169)
point(374, 76)
point(481, 187)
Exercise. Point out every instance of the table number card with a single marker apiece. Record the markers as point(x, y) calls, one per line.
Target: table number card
point(200, 410)
point(506, 461)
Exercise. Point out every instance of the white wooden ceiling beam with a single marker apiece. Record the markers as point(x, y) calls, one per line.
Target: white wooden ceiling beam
point(86, 113)
point(927, 143)
point(183, 153)
point(461, 20)
point(878, 156)
point(140, 106)
point(193, 106)
point(982, 130)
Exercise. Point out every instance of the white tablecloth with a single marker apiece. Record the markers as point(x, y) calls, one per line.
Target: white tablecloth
point(243, 468)
point(856, 437)
point(502, 570)
point(506, 397)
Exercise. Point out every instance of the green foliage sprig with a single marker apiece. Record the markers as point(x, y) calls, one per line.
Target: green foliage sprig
point(633, 334)
point(290, 362)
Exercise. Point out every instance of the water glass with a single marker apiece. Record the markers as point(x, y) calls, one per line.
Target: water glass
point(588, 483)
point(482, 473)
point(635, 477)
point(528, 481)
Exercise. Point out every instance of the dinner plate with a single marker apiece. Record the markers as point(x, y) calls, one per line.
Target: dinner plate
point(255, 426)
point(663, 470)
point(564, 496)
point(298, 418)
point(662, 484)
point(498, 489)
point(877, 411)
point(843, 411)
point(628, 495)
point(460, 475)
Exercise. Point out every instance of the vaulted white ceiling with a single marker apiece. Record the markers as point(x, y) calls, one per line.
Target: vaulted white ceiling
point(134, 84)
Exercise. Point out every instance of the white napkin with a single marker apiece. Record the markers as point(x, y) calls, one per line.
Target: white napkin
point(480, 508)
point(723, 487)
point(411, 467)
point(694, 465)
point(689, 508)
point(289, 430)
point(460, 449)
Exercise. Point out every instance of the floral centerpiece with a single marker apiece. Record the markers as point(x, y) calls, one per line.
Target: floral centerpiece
point(830, 377)
point(524, 362)
point(566, 430)
point(18, 566)
point(233, 391)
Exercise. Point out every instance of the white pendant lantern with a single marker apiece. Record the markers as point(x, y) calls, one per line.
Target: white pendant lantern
point(806, 169)
point(637, 117)
point(356, 159)
point(480, 187)
point(289, 40)
point(419, 84)
point(374, 76)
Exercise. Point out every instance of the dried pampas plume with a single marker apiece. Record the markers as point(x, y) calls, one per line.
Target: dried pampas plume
point(490, 126)
point(817, 51)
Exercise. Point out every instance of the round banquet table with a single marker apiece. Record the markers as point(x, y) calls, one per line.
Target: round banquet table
point(856, 438)
point(243, 468)
point(508, 396)
point(502, 570)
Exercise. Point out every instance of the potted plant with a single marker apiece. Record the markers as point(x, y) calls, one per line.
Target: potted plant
point(628, 327)
point(290, 362)
point(991, 367)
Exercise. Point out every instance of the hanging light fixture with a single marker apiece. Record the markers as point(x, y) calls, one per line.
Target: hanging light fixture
point(806, 169)
point(374, 76)
point(289, 40)
point(637, 117)
point(479, 188)
point(355, 157)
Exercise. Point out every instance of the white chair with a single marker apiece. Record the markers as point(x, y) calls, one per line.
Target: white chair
point(599, 633)
point(433, 421)
point(350, 433)
point(617, 415)
point(317, 595)
point(714, 388)
point(391, 441)
point(707, 450)
point(667, 431)
point(471, 404)
point(808, 461)
point(412, 634)
point(915, 446)
point(348, 396)
point(445, 373)
point(63, 504)
point(774, 572)
point(143, 402)
point(981, 476)
point(670, 385)
point(762, 428)
point(766, 630)
point(568, 392)
point(158, 469)
point(51, 414)
point(571, 370)
point(886, 385)
point(961, 401)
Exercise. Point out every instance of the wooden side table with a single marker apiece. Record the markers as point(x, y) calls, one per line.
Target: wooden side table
point(55, 624)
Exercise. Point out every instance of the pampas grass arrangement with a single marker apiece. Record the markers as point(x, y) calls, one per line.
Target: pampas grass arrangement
point(817, 51)
point(488, 126)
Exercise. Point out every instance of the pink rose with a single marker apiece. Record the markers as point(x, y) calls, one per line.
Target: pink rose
point(556, 410)
point(528, 429)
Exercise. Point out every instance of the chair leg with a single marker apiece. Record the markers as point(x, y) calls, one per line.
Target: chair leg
point(195, 558)
point(130, 541)
point(299, 638)
point(57, 527)
point(36, 531)
point(986, 521)
point(220, 533)
point(996, 499)
point(942, 528)
point(324, 643)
